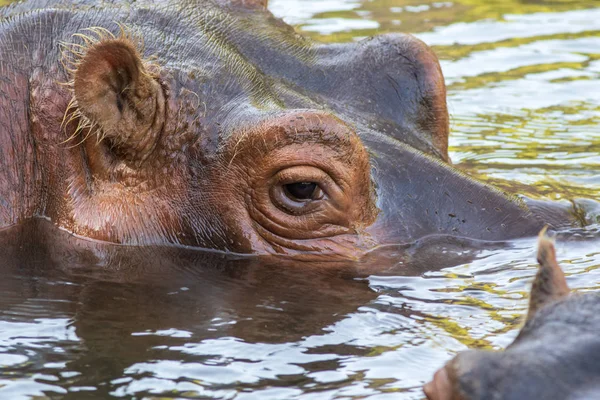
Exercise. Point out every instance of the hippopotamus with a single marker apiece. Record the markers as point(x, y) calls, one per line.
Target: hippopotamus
point(213, 124)
point(556, 355)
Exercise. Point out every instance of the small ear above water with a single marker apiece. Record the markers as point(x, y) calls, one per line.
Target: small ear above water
point(116, 93)
point(104, 76)
point(550, 283)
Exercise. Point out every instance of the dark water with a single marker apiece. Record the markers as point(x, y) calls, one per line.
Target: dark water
point(86, 320)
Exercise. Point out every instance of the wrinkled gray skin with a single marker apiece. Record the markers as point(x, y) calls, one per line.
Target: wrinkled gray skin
point(233, 67)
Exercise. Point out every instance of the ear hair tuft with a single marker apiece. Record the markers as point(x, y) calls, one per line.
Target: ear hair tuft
point(72, 55)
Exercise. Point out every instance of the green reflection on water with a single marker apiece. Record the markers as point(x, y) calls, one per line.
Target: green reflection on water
point(425, 15)
point(459, 333)
point(460, 51)
point(518, 73)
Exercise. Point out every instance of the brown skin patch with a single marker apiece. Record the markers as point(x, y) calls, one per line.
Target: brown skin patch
point(120, 124)
point(297, 147)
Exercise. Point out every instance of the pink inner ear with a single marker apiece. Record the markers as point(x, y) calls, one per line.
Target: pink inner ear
point(108, 67)
point(440, 388)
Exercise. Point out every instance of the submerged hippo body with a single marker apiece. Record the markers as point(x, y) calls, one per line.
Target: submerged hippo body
point(555, 357)
point(227, 130)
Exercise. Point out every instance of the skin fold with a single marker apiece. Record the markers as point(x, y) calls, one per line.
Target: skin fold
point(213, 124)
point(554, 357)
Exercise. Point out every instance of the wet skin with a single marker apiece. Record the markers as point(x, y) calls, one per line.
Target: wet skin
point(227, 130)
point(555, 356)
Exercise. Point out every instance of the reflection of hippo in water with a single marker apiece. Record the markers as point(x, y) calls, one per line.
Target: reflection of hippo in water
point(118, 300)
point(555, 357)
point(227, 130)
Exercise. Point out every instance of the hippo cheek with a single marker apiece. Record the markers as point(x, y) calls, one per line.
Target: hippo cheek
point(298, 183)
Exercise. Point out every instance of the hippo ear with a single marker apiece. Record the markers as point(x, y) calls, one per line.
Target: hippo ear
point(550, 283)
point(115, 93)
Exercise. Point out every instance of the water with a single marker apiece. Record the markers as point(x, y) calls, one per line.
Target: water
point(84, 320)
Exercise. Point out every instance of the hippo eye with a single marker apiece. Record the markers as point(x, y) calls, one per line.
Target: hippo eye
point(303, 191)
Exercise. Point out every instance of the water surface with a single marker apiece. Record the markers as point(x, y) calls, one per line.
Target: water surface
point(84, 320)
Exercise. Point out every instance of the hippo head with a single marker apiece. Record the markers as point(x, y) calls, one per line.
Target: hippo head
point(228, 130)
point(554, 357)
